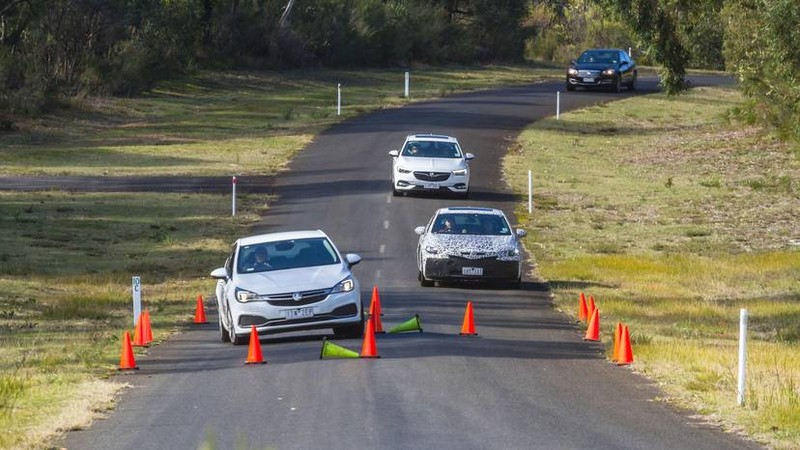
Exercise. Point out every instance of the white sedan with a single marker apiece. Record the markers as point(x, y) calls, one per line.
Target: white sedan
point(430, 163)
point(287, 282)
point(469, 244)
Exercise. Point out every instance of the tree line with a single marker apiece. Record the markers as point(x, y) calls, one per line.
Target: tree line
point(55, 49)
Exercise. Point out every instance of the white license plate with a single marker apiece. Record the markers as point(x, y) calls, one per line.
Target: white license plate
point(299, 313)
point(430, 186)
point(588, 80)
point(474, 271)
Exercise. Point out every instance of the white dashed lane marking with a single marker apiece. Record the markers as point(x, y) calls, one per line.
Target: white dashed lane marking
point(382, 249)
point(385, 224)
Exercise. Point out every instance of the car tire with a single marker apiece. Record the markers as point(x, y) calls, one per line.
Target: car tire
point(632, 84)
point(570, 87)
point(350, 331)
point(396, 193)
point(424, 282)
point(618, 83)
point(235, 339)
point(223, 333)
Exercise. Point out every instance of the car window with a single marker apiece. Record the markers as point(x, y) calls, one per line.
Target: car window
point(288, 254)
point(599, 57)
point(432, 149)
point(466, 223)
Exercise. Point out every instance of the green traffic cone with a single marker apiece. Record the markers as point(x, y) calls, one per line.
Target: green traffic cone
point(412, 324)
point(331, 350)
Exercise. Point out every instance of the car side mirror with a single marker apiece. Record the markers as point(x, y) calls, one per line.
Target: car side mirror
point(394, 153)
point(419, 230)
point(220, 273)
point(469, 156)
point(352, 259)
point(573, 62)
point(521, 233)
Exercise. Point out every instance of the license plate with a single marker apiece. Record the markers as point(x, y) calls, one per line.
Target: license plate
point(430, 186)
point(474, 271)
point(588, 80)
point(299, 313)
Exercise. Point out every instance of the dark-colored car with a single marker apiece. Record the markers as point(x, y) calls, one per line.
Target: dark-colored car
point(609, 68)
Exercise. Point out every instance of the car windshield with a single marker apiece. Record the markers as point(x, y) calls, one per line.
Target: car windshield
point(599, 57)
point(466, 223)
point(432, 149)
point(289, 254)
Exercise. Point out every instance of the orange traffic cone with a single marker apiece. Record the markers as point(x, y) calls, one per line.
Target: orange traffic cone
point(591, 307)
point(377, 299)
point(593, 332)
point(625, 351)
point(468, 327)
point(617, 339)
point(254, 355)
point(139, 332)
point(126, 360)
point(583, 312)
point(200, 311)
point(375, 311)
point(368, 347)
point(148, 330)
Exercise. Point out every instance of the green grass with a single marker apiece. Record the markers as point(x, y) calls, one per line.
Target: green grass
point(223, 123)
point(674, 219)
point(66, 259)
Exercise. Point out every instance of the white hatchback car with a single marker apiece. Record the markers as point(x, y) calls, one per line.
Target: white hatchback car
point(430, 163)
point(287, 282)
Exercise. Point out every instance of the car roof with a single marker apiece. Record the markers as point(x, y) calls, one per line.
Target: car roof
point(604, 50)
point(282, 236)
point(430, 137)
point(469, 209)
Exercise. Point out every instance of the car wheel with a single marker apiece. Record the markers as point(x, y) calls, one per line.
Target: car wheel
point(632, 84)
point(396, 193)
point(235, 339)
point(223, 333)
point(570, 87)
point(618, 84)
point(424, 282)
point(351, 331)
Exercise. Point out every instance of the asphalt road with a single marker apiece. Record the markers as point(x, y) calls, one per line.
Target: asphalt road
point(526, 381)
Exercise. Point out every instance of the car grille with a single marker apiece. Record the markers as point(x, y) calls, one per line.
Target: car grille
point(588, 73)
point(432, 176)
point(474, 256)
point(307, 298)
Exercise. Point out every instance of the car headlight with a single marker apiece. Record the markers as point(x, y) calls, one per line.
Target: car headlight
point(572, 71)
point(431, 250)
point(403, 170)
point(245, 296)
point(345, 285)
point(609, 72)
point(460, 172)
point(510, 253)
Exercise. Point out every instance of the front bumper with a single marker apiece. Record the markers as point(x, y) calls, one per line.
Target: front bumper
point(452, 268)
point(335, 310)
point(599, 80)
point(405, 182)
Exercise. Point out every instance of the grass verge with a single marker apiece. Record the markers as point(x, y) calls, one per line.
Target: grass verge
point(674, 219)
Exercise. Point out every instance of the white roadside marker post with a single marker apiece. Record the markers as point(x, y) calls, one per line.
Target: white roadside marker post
point(407, 84)
point(558, 105)
point(339, 99)
point(233, 197)
point(742, 356)
point(530, 192)
point(136, 289)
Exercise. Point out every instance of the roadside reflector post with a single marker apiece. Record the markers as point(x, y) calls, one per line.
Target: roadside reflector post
point(136, 290)
point(530, 192)
point(339, 99)
point(407, 84)
point(558, 104)
point(629, 51)
point(233, 197)
point(742, 356)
